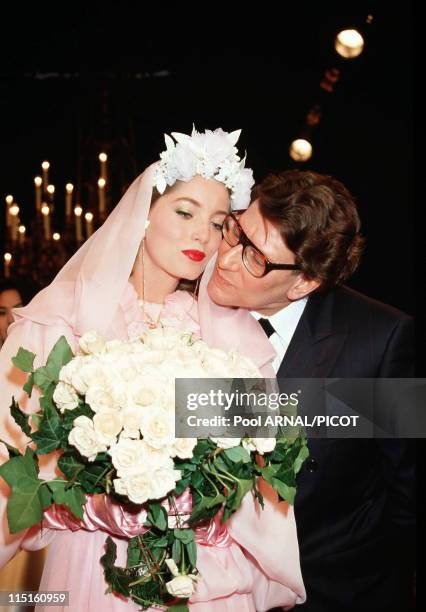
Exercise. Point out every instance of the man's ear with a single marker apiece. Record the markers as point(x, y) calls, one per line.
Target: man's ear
point(302, 287)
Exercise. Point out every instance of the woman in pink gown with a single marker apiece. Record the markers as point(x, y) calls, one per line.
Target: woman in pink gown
point(123, 278)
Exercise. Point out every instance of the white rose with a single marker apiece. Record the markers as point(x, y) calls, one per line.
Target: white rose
point(183, 447)
point(157, 457)
point(69, 370)
point(131, 421)
point(101, 399)
point(226, 442)
point(140, 487)
point(92, 374)
point(182, 586)
point(108, 425)
point(65, 397)
point(163, 481)
point(157, 428)
point(263, 445)
point(92, 343)
point(128, 456)
point(85, 439)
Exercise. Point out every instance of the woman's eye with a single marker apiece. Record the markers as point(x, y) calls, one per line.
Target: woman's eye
point(218, 226)
point(184, 214)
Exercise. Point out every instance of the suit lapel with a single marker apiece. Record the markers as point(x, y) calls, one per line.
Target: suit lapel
point(317, 341)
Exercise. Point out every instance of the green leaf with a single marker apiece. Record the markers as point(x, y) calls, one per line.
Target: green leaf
point(233, 501)
point(73, 497)
point(59, 356)
point(70, 415)
point(203, 509)
point(237, 454)
point(36, 419)
point(157, 517)
point(50, 434)
point(116, 578)
point(191, 549)
point(301, 457)
point(13, 452)
point(27, 501)
point(24, 360)
point(70, 466)
point(28, 387)
point(285, 492)
point(177, 551)
point(184, 535)
point(179, 607)
point(21, 419)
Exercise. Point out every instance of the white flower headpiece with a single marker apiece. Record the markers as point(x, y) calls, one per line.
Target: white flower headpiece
point(211, 155)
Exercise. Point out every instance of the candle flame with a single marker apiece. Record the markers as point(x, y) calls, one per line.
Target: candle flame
point(103, 157)
point(7, 257)
point(14, 210)
point(38, 181)
point(89, 216)
point(51, 189)
point(45, 210)
point(69, 187)
point(22, 229)
point(101, 183)
point(78, 211)
point(56, 236)
point(9, 199)
point(45, 165)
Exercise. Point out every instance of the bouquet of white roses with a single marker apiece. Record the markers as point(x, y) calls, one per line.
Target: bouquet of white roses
point(110, 410)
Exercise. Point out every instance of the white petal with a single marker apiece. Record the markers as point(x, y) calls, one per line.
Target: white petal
point(234, 136)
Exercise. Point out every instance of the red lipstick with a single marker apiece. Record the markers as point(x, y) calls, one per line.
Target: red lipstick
point(194, 254)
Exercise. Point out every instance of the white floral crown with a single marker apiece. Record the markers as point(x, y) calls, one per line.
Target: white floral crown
point(211, 155)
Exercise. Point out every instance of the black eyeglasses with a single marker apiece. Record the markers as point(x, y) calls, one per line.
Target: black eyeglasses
point(254, 260)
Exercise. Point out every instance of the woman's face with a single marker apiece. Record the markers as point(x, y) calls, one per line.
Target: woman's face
point(9, 298)
point(185, 227)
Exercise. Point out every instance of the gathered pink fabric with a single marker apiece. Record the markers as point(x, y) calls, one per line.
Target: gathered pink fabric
point(252, 563)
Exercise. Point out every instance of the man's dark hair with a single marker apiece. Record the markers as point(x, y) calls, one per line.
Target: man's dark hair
point(318, 220)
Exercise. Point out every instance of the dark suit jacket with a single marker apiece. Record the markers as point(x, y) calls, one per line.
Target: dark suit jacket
point(355, 507)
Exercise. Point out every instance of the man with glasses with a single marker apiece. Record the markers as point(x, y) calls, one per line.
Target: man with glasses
point(284, 260)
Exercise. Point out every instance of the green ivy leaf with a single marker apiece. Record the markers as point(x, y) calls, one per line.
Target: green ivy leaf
point(28, 387)
point(24, 360)
point(72, 497)
point(50, 434)
point(177, 551)
point(21, 419)
point(237, 454)
point(12, 451)
point(27, 500)
point(179, 607)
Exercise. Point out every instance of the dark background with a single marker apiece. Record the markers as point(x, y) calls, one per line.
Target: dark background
point(74, 76)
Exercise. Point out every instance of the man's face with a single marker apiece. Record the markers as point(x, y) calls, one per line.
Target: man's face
point(232, 284)
point(9, 298)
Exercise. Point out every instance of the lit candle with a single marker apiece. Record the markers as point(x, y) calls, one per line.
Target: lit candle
point(56, 236)
point(89, 224)
point(7, 263)
point(14, 211)
point(78, 211)
point(103, 159)
point(9, 202)
point(37, 182)
point(45, 210)
point(22, 229)
point(51, 191)
point(45, 167)
point(69, 188)
point(101, 193)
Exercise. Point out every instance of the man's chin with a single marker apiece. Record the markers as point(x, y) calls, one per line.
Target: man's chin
point(217, 294)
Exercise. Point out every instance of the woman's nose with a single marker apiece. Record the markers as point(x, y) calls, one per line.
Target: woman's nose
point(9, 317)
point(202, 233)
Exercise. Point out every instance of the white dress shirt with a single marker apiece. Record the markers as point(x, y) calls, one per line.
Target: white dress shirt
point(284, 323)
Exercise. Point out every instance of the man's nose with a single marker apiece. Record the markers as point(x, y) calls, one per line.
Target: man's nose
point(229, 257)
point(9, 317)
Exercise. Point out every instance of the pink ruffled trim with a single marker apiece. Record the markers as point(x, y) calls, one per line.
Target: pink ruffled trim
point(180, 311)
